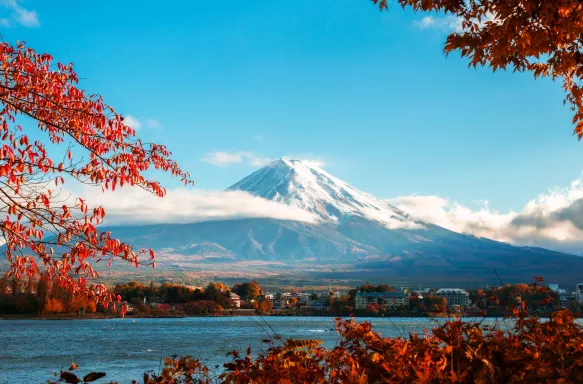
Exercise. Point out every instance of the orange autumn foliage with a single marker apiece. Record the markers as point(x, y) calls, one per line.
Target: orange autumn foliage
point(542, 37)
point(81, 303)
point(43, 230)
point(263, 305)
point(54, 306)
point(90, 306)
point(534, 351)
point(456, 352)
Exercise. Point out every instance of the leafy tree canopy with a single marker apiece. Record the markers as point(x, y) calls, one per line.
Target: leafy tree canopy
point(41, 229)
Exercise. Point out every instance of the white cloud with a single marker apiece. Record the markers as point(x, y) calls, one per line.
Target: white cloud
point(136, 123)
point(19, 15)
point(154, 124)
point(552, 220)
point(135, 206)
point(222, 159)
point(481, 222)
point(225, 159)
point(446, 23)
point(257, 161)
point(426, 22)
point(132, 122)
point(314, 163)
point(310, 159)
point(390, 222)
point(449, 23)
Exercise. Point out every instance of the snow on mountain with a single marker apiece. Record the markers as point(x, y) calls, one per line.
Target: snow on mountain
point(308, 187)
point(358, 238)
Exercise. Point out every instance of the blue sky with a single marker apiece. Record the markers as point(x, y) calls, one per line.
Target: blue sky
point(371, 94)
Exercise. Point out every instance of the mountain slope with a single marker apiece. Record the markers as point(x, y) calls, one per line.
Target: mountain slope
point(358, 250)
point(359, 238)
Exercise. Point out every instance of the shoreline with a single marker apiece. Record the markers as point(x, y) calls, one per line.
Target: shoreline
point(99, 316)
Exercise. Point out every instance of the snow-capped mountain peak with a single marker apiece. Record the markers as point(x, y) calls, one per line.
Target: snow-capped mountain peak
point(304, 185)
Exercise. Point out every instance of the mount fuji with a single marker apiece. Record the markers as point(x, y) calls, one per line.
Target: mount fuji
point(355, 238)
point(299, 184)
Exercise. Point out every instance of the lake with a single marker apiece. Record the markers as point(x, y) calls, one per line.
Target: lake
point(125, 348)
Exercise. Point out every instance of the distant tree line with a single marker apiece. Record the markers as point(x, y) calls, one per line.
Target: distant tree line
point(45, 296)
point(41, 296)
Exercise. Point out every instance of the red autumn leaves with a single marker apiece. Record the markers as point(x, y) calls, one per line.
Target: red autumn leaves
point(39, 224)
point(524, 350)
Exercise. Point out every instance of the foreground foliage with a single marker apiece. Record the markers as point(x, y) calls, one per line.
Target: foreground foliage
point(521, 350)
point(455, 352)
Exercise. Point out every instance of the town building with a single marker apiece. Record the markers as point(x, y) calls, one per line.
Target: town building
point(454, 297)
point(564, 299)
point(301, 298)
point(390, 300)
point(554, 287)
point(579, 292)
point(279, 302)
point(234, 300)
point(315, 304)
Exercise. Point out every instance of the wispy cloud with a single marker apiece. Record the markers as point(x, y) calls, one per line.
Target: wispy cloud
point(135, 206)
point(136, 123)
point(222, 159)
point(225, 159)
point(132, 122)
point(448, 23)
point(153, 123)
point(311, 159)
point(389, 221)
point(18, 15)
point(314, 162)
point(552, 220)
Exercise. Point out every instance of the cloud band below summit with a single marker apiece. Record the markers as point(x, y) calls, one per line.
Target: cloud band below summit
point(552, 220)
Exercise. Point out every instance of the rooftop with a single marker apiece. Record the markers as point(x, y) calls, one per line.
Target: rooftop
point(381, 294)
point(452, 290)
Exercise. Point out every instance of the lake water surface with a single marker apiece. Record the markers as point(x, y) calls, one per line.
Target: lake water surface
point(125, 348)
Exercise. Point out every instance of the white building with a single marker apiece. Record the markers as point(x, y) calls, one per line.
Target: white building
point(455, 297)
point(300, 297)
point(234, 300)
point(564, 300)
point(579, 292)
point(279, 303)
point(384, 299)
